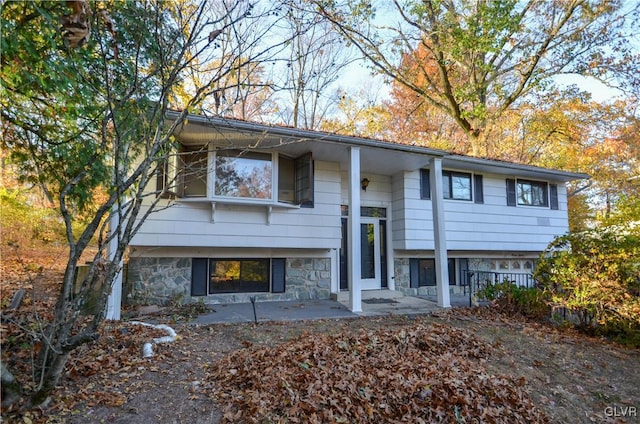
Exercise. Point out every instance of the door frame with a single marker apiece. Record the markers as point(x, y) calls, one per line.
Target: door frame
point(375, 282)
point(381, 251)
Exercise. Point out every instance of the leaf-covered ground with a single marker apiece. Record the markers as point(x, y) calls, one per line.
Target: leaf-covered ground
point(420, 374)
point(463, 365)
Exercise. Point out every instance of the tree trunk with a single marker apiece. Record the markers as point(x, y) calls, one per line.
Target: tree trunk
point(50, 379)
point(11, 390)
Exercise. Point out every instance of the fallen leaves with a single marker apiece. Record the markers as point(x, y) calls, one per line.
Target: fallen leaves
point(421, 373)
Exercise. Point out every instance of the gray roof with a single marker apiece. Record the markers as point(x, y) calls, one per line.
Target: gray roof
point(377, 156)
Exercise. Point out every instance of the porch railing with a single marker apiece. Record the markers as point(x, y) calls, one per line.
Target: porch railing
point(475, 281)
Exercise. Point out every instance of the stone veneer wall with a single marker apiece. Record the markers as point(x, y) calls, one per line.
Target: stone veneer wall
point(162, 280)
point(153, 281)
point(402, 274)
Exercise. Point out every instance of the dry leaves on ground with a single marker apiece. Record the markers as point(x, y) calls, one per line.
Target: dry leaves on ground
point(424, 373)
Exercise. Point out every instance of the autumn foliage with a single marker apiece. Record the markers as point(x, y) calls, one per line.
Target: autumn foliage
point(593, 278)
point(422, 374)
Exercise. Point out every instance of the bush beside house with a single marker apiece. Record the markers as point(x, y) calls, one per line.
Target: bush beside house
point(594, 276)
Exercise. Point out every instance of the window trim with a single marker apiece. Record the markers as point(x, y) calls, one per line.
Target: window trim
point(201, 269)
point(303, 185)
point(543, 184)
point(476, 192)
point(551, 200)
point(238, 153)
point(449, 175)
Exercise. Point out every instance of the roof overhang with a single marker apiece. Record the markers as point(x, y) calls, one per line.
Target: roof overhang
point(378, 157)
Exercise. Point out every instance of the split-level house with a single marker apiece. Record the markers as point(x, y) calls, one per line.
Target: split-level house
point(281, 213)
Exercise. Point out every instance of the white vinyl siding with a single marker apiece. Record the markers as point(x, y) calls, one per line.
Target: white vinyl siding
point(471, 226)
point(190, 224)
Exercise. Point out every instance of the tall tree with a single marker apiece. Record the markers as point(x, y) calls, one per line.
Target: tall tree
point(315, 61)
point(478, 59)
point(85, 87)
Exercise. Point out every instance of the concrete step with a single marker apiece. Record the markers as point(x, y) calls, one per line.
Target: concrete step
point(343, 296)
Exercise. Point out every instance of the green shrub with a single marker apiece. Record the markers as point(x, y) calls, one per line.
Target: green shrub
point(595, 276)
point(515, 299)
point(24, 223)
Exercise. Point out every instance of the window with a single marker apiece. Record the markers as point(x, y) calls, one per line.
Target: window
point(455, 185)
point(214, 276)
point(422, 272)
point(237, 276)
point(192, 181)
point(531, 193)
point(243, 174)
point(238, 174)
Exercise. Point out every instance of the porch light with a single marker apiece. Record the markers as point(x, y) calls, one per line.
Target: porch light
point(364, 184)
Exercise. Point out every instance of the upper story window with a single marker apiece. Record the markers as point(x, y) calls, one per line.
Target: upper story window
point(531, 193)
point(237, 174)
point(193, 165)
point(243, 174)
point(455, 186)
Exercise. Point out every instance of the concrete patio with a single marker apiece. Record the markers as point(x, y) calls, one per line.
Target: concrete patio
point(374, 303)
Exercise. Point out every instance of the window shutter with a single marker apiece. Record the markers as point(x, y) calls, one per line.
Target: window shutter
point(278, 266)
point(511, 192)
point(199, 276)
point(553, 190)
point(304, 180)
point(478, 189)
point(414, 273)
point(425, 185)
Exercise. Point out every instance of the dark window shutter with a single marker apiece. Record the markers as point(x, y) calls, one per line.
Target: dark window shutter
point(553, 190)
point(278, 266)
point(304, 180)
point(199, 276)
point(414, 273)
point(425, 184)
point(511, 192)
point(463, 267)
point(478, 189)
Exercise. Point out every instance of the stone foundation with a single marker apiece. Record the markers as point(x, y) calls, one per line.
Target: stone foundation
point(402, 273)
point(165, 280)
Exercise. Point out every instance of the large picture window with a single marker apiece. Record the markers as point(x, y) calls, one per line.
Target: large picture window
point(236, 276)
point(239, 174)
point(249, 275)
point(243, 174)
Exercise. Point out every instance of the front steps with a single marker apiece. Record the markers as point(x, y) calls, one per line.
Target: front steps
point(343, 296)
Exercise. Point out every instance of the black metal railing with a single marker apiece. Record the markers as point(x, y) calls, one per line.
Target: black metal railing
point(476, 281)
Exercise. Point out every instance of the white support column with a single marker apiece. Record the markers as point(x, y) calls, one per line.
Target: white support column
point(354, 254)
point(439, 232)
point(335, 271)
point(114, 302)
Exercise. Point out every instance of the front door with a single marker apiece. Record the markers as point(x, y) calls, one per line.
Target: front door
point(373, 248)
point(370, 253)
